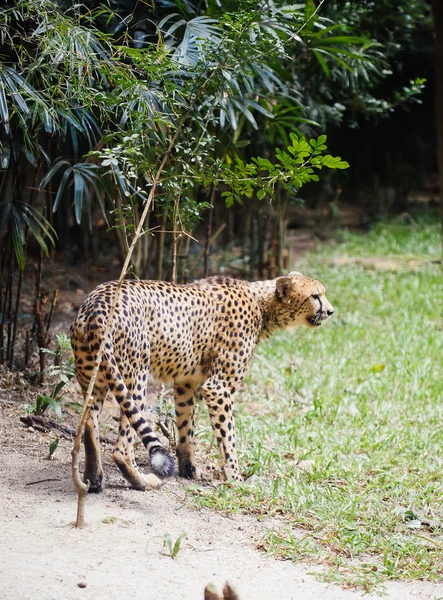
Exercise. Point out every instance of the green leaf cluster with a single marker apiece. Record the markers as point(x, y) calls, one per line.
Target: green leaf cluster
point(292, 169)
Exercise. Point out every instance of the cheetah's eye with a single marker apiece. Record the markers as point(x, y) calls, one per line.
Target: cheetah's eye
point(316, 296)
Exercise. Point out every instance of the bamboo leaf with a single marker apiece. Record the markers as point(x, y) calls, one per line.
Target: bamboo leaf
point(80, 190)
point(61, 187)
point(52, 171)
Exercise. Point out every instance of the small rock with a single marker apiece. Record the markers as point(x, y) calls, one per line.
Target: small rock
point(149, 523)
point(31, 429)
point(82, 584)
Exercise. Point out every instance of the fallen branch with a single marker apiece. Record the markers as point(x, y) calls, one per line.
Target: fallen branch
point(44, 425)
point(43, 480)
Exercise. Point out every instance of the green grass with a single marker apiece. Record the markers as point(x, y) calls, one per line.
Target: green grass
point(343, 426)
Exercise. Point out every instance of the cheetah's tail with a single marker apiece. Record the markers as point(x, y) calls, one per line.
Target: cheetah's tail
point(162, 463)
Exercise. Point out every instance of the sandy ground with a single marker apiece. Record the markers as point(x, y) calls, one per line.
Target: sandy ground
point(118, 554)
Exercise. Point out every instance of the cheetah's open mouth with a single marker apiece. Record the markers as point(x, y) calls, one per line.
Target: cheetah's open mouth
point(315, 321)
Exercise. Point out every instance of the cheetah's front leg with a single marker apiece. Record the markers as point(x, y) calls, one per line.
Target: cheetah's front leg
point(218, 396)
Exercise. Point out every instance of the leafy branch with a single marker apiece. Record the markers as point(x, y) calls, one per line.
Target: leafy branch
point(293, 168)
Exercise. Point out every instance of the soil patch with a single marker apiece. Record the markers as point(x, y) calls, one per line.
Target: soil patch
point(120, 553)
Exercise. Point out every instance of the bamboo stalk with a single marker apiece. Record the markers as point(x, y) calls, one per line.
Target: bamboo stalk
point(51, 310)
point(160, 248)
point(8, 307)
point(38, 327)
point(211, 241)
point(2, 346)
point(184, 256)
point(38, 282)
point(14, 328)
point(18, 295)
point(261, 241)
point(209, 230)
point(41, 335)
point(175, 238)
point(27, 348)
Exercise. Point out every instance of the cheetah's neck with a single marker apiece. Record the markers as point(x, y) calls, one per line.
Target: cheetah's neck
point(264, 292)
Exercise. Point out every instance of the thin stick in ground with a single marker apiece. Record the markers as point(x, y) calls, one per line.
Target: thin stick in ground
point(80, 486)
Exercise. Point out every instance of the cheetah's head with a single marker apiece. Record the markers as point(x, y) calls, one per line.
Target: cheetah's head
point(302, 301)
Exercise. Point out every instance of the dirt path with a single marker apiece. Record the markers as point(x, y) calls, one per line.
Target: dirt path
point(118, 555)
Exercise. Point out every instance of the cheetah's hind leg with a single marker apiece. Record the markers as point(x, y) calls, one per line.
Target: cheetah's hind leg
point(123, 456)
point(93, 474)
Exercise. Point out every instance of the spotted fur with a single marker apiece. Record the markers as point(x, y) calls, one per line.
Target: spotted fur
point(200, 337)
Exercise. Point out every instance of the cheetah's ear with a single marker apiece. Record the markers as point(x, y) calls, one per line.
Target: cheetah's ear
point(295, 274)
point(283, 289)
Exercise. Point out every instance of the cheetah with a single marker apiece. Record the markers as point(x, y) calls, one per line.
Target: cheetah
point(201, 338)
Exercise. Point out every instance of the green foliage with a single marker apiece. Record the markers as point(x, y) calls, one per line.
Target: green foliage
point(42, 403)
point(218, 69)
point(53, 445)
point(17, 218)
point(118, 99)
point(84, 177)
point(395, 31)
point(62, 370)
point(292, 169)
point(344, 430)
point(171, 547)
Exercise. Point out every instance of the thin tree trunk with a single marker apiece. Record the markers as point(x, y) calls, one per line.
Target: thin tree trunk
point(27, 348)
point(6, 310)
point(2, 347)
point(39, 332)
point(14, 328)
point(137, 257)
point(145, 243)
point(230, 217)
point(185, 261)
point(41, 335)
point(175, 237)
point(281, 230)
point(209, 230)
point(246, 240)
point(254, 245)
point(161, 248)
point(9, 315)
point(261, 241)
point(120, 231)
point(18, 292)
point(38, 283)
point(51, 311)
